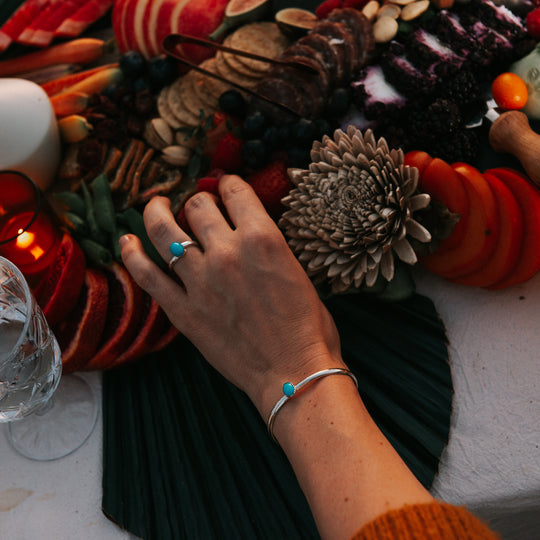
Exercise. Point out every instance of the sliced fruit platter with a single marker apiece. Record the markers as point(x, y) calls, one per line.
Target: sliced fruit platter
point(283, 94)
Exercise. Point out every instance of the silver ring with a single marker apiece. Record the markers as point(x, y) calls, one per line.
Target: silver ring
point(178, 249)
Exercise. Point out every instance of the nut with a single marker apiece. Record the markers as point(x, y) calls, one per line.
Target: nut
point(391, 10)
point(178, 156)
point(158, 133)
point(411, 11)
point(385, 29)
point(370, 9)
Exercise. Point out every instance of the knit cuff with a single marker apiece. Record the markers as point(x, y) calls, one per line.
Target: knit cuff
point(432, 521)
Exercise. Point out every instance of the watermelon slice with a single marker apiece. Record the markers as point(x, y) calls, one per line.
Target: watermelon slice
point(89, 13)
point(40, 32)
point(20, 20)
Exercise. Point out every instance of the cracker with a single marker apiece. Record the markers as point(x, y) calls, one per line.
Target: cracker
point(192, 101)
point(226, 71)
point(262, 38)
point(175, 99)
point(165, 111)
point(214, 87)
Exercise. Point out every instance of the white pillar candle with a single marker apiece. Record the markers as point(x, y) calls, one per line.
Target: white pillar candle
point(29, 138)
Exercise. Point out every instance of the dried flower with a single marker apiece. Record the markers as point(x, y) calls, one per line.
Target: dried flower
point(352, 210)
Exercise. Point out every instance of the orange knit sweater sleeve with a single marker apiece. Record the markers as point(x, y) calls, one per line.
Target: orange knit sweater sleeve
point(432, 521)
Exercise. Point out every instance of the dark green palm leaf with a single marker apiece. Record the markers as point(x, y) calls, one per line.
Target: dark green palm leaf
point(186, 455)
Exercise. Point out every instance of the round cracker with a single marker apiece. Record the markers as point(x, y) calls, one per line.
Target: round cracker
point(192, 101)
point(165, 111)
point(225, 70)
point(175, 99)
point(213, 86)
point(262, 38)
point(233, 62)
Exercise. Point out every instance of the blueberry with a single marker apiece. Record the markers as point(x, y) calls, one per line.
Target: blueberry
point(132, 64)
point(285, 133)
point(141, 83)
point(162, 70)
point(255, 154)
point(232, 102)
point(254, 125)
point(339, 102)
point(304, 132)
point(299, 157)
point(272, 137)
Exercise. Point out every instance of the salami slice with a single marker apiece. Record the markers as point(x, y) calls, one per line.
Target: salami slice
point(311, 57)
point(327, 53)
point(313, 96)
point(283, 92)
point(87, 14)
point(361, 28)
point(343, 42)
point(12, 28)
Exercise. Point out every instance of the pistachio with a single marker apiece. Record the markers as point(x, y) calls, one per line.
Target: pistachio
point(158, 133)
point(385, 29)
point(176, 155)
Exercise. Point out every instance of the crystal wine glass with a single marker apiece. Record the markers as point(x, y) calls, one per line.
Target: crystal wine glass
point(49, 415)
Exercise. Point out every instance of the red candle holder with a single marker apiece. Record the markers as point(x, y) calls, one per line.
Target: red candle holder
point(28, 237)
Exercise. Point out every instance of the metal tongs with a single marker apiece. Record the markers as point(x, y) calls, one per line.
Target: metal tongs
point(171, 42)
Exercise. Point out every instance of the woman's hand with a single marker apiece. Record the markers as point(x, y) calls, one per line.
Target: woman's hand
point(242, 299)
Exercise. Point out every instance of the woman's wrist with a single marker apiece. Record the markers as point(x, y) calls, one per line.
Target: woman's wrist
point(270, 391)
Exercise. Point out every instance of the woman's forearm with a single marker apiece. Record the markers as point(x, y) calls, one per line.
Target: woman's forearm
point(347, 469)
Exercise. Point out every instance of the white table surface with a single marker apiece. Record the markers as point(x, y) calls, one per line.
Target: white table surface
point(492, 462)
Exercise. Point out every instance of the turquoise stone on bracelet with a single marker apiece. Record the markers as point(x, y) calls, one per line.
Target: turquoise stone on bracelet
point(288, 389)
point(177, 249)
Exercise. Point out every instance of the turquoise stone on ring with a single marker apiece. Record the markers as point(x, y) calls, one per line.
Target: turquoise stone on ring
point(177, 249)
point(288, 389)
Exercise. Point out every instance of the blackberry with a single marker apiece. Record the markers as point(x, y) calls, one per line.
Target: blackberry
point(463, 89)
point(462, 145)
point(438, 120)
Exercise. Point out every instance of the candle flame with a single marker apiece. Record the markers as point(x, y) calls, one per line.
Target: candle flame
point(25, 240)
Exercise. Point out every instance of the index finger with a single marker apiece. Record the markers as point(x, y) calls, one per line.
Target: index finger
point(242, 204)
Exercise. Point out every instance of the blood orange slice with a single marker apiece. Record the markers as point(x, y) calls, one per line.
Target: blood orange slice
point(123, 316)
point(166, 338)
point(150, 329)
point(59, 290)
point(79, 335)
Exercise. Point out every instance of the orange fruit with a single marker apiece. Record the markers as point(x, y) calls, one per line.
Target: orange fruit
point(79, 334)
point(166, 338)
point(124, 312)
point(509, 91)
point(59, 290)
point(150, 329)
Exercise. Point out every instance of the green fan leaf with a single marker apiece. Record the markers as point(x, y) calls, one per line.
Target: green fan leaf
point(186, 454)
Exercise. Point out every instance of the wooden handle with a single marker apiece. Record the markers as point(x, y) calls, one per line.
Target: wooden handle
point(512, 134)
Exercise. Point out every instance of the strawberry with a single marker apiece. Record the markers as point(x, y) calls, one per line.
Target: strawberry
point(356, 4)
point(533, 22)
point(228, 154)
point(326, 7)
point(215, 131)
point(209, 184)
point(271, 184)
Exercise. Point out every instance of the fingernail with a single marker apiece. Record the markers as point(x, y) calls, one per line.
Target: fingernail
point(124, 239)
